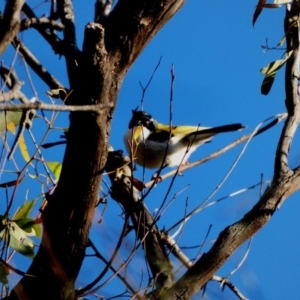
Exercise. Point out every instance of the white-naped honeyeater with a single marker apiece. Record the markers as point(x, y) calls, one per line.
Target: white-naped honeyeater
point(154, 145)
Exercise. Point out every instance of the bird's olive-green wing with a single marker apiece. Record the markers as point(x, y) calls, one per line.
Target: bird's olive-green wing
point(162, 134)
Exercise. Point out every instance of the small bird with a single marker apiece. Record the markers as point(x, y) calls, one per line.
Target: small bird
point(156, 145)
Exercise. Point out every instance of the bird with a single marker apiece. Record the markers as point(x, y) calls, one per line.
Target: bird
point(155, 145)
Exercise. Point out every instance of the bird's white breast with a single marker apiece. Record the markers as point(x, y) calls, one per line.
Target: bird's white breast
point(151, 154)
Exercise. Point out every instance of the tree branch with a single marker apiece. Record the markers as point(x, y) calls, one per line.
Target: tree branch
point(281, 167)
point(95, 76)
point(66, 13)
point(284, 184)
point(132, 24)
point(36, 66)
point(127, 195)
point(11, 23)
point(42, 22)
point(178, 253)
point(49, 36)
point(44, 106)
point(102, 10)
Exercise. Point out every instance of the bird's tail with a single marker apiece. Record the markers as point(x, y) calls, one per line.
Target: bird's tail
point(210, 132)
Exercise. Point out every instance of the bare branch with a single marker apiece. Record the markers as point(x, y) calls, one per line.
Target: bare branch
point(178, 253)
point(115, 271)
point(42, 22)
point(36, 66)
point(230, 239)
point(48, 35)
point(66, 13)
point(11, 80)
point(233, 288)
point(281, 167)
point(51, 107)
point(11, 23)
point(110, 262)
point(102, 10)
point(122, 191)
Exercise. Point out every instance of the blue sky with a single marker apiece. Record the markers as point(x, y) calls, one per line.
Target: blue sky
point(217, 55)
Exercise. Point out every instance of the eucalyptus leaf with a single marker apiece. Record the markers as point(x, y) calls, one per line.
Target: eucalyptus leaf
point(25, 210)
point(30, 226)
point(9, 116)
point(18, 240)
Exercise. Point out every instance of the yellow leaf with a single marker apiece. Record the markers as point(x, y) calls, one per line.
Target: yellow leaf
point(11, 127)
point(55, 167)
point(23, 148)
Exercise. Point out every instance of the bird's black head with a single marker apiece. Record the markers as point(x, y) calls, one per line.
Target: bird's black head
point(142, 118)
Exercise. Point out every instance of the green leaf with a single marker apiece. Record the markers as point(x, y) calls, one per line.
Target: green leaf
point(270, 72)
point(25, 210)
point(9, 117)
point(18, 240)
point(4, 272)
point(55, 167)
point(30, 226)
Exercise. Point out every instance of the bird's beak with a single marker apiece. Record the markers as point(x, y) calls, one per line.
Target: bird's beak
point(137, 133)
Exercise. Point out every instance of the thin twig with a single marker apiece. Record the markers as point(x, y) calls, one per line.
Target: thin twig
point(144, 89)
point(88, 287)
point(179, 254)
